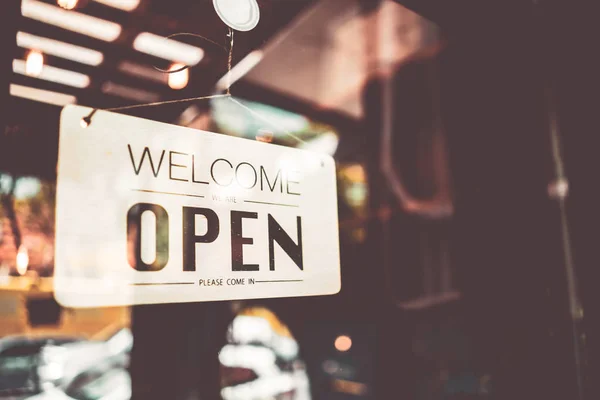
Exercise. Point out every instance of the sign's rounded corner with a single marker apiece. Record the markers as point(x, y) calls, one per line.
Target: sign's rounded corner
point(66, 109)
point(337, 289)
point(329, 159)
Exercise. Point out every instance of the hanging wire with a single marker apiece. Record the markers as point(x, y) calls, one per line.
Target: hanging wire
point(86, 121)
point(183, 68)
point(229, 62)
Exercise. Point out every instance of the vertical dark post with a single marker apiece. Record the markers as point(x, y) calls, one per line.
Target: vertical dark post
point(508, 240)
point(572, 84)
point(175, 351)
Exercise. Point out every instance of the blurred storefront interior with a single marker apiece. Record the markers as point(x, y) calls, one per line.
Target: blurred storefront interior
point(463, 139)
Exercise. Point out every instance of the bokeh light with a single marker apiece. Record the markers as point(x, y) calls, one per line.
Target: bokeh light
point(343, 343)
point(34, 63)
point(178, 80)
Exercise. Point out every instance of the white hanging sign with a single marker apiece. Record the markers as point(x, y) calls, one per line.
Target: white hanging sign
point(155, 213)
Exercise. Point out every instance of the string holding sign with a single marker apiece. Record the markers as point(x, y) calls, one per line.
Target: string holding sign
point(86, 121)
point(242, 15)
point(229, 56)
point(249, 10)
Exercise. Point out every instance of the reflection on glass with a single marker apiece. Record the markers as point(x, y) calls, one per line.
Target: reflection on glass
point(47, 351)
point(270, 124)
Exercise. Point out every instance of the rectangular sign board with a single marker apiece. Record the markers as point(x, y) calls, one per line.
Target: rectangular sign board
point(155, 213)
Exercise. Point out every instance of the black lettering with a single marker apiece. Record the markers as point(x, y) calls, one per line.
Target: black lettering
point(171, 165)
point(134, 237)
point(146, 151)
point(263, 173)
point(238, 241)
point(212, 174)
point(237, 176)
point(189, 233)
point(277, 234)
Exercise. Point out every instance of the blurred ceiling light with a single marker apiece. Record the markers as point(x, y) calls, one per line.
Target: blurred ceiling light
point(44, 96)
point(142, 71)
point(178, 80)
point(129, 93)
point(52, 74)
point(240, 69)
point(168, 49)
point(67, 4)
point(22, 260)
point(59, 49)
point(71, 20)
point(343, 343)
point(125, 5)
point(34, 64)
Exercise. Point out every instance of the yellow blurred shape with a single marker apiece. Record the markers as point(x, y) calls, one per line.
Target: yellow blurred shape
point(355, 173)
point(355, 388)
point(278, 327)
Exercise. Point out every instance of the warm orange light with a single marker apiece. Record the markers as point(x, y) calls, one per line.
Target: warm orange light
point(67, 4)
point(22, 260)
point(34, 63)
point(356, 173)
point(343, 343)
point(178, 80)
point(265, 136)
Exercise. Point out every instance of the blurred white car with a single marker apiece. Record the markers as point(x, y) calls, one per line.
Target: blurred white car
point(65, 368)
